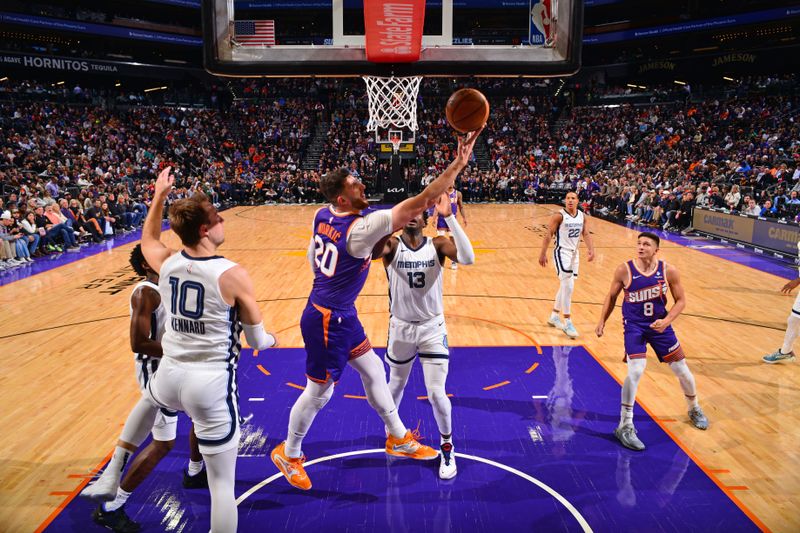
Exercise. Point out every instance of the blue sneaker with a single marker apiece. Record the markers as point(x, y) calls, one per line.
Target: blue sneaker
point(570, 330)
point(778, 357)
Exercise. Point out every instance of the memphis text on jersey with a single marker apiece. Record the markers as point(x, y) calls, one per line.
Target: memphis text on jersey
point(184, 325)
point(413, 265)
point(654, 292)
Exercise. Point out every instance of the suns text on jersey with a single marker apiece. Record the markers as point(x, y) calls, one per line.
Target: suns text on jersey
point(646, 294)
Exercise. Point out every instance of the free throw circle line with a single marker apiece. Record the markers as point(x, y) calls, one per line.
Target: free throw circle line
point(563, 501)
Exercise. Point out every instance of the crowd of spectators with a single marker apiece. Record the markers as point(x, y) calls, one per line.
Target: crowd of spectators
point(77, 164)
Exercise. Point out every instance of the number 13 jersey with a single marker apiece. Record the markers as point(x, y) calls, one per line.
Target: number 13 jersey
point(415, 282)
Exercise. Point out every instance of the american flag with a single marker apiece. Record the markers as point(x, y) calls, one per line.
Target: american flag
point(254, 32)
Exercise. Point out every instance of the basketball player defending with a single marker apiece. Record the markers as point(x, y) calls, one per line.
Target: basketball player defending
point(147, 328)
point(413, 264)
point(786, 352)
point(567, 225)
point(210, 301)
point(645, 320)
point(340, 253)
point(457, 206)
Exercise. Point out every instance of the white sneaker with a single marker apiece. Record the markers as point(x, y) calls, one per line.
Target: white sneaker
point(102, 490)
point(453, 266)
point(555, 321)
point(447, 463)
point(570, 330)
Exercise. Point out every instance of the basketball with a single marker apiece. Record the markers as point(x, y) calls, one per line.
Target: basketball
point(467, 110)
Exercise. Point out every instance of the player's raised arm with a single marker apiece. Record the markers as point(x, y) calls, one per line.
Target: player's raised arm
point(403, 212)
point(460, 248)
point(678, 294)
point(552, 228)
point(237, 287)
point(617, 284)
point(155, 252)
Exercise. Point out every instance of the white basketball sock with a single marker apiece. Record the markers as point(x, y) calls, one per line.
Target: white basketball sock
point(370, 367)
point(557, 302)
point(792, 326)
point(435, 372)
point(635, 371)
point(221, 479)
point(194, 468)
point(118, 502)
point(117, 464)
point(304, 410)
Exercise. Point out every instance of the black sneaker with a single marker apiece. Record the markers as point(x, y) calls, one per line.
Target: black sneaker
point(197, 481)
point(115, 520)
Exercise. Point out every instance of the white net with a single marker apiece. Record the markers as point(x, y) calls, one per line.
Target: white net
point(392, 102)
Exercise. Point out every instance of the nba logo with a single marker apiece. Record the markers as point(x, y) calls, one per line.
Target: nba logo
point(539, 27)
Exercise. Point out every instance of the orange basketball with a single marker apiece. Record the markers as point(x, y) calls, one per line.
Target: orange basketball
point(467, 110)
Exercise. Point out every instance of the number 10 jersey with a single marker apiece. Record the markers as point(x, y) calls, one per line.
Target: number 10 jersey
point(415, 282)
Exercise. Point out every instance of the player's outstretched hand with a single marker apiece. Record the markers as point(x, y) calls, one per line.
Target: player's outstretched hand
point(543, 259)
point(599, 329)
point(165, 181)
point(791, 285)
point(465, 145)
point(659, 325)
point(443, 206)
point(591, 255)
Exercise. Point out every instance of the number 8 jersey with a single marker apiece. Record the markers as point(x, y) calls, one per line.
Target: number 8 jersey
point(645, 296)
point(415, 282)
point(200, 326)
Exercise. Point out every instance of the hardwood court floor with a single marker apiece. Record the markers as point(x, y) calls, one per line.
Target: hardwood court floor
point(67, 375)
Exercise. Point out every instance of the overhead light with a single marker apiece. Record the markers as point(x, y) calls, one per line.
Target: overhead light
point(155, 89)
point(60, 83)
point(679, 82)
point(4, 78)
point(632, 85)
point(117, 84)
point(727, 78)
point(642, 87)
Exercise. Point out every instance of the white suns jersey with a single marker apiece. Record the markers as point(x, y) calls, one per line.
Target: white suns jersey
point(157, 317)
point(415, 282)
point(200, 326)
point(568, 235)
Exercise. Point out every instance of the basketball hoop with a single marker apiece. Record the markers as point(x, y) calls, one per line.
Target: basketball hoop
point(392, 102)
point(395, 140)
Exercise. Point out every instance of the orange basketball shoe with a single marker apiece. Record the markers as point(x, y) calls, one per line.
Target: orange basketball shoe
point(409, 446)
point(291, 467)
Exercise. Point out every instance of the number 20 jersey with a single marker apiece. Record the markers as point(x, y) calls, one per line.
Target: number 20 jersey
point(338, 276)
point(415, 282)
point(646, 296)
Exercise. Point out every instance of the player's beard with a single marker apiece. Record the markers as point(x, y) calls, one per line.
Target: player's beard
point(359, 203)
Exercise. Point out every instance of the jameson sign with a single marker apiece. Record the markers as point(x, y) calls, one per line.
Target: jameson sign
point(91, 66)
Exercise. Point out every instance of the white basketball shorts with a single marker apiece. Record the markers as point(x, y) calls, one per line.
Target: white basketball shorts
point(566, 263)
point(427, 338)
point(165, 427)
point(207, 393)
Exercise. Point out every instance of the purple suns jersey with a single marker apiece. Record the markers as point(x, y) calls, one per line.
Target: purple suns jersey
point(646, 296)
point(338, 276)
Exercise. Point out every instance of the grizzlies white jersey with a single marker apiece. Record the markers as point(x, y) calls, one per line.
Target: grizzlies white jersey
point(415, 282)
point(200, 326)
point(157, 317)
point(568, 235)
